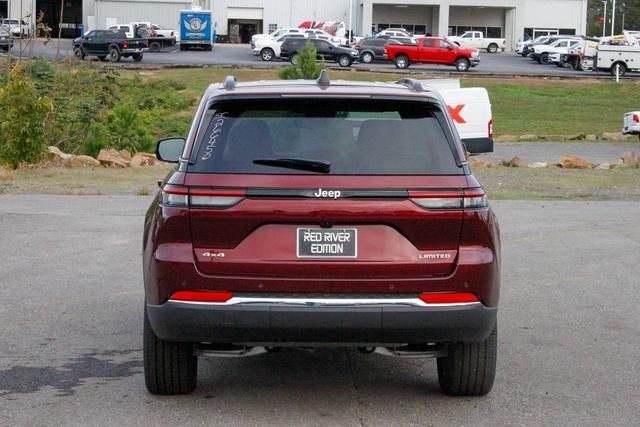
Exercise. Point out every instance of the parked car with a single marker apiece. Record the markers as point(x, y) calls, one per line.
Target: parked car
point(312, 214)
point(17, 28)
point(410, 41)
point(394, 32)
point(268, 48)
point(275, 34)
point(477, 40)
point(618, 59)
point(163, 32)
point(113, 45)
point(631, 123)
point(6, 40)
point(344, 56)
point(372, 48)
point(321, 34)
point(433, 50)
point(542, 52)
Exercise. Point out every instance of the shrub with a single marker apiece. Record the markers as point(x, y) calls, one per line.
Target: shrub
point(306, 66)
point(22, 119)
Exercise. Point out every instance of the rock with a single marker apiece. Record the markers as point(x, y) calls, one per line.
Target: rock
point(125, 154)
point(574, 162)
point(515, 162)
point(530, 137)
point(603, 166)
point(537, 165)
point(110, 158)
point(614, 136)
point(81, 161)
point(576, 137)
point(630, 159)
point(591, 137)
point(505, 138)
point(143, 159)
point(57, 154)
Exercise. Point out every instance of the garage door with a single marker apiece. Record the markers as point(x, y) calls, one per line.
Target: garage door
point(244, 13)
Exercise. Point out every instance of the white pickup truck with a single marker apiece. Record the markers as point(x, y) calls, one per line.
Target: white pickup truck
point(477, 40)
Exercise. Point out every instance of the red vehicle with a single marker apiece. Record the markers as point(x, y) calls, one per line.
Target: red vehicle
point(433, 50)
point(320, 213)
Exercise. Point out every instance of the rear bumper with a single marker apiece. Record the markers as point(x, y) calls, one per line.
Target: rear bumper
point(478, 145)
point(304, 321)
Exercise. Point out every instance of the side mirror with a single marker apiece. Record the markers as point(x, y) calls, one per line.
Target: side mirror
point(169, 150)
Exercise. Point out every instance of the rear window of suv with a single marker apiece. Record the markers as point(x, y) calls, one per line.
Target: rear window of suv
point(351, 136)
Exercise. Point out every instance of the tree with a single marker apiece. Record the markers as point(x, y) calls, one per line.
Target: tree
point(305, 67)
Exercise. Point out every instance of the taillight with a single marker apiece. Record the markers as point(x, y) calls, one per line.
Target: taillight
point(124, 44)
point(357, 46)
point(636, 118)
point(215, 198)
point(172, 33)
point(175, 195)
point(469, 199)
point(202, 296)
point(490, 128)
point(448, 298)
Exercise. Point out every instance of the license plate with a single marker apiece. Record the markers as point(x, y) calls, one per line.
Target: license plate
point(327, 243)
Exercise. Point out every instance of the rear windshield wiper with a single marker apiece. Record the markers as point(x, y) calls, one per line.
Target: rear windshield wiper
point(302, 164)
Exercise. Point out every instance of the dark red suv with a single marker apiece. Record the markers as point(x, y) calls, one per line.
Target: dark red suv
point(315, 213)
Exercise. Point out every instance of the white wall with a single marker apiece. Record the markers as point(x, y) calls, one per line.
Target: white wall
point(474, 16)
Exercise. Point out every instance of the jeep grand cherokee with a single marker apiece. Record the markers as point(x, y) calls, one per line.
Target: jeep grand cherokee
point(315, 213)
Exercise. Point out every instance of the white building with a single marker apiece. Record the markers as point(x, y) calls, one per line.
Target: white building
point(511, 19)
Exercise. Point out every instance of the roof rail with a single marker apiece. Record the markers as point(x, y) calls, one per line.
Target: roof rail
point(412, 84)
point(229, 83)
point(323, 80)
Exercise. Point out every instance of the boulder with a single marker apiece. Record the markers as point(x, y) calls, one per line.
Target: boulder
point(630, 159)
point(614, 136)
point(530, 137)
point(505, 138)
point(603, 166)
point(111, 158)
point(576, 137)
point(81, 161)
point(57, 154)
point(143, 159)
point(591, 137)
point(515, 162)
point(574, 162)
point(537, 165)
point(125, 154)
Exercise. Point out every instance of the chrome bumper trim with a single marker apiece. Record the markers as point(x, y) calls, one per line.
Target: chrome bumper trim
point(334, 302)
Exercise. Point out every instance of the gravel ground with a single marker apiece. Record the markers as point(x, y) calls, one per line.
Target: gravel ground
point(70, 348)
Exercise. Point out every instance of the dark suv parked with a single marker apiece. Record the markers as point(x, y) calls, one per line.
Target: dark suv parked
point(344, 56)
point(372, 48)
point(320, 213)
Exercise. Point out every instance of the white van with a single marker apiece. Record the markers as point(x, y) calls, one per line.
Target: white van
point(470, 109)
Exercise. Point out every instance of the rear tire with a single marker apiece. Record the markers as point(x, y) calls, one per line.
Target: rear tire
point(492, 48)
point(401, 61)
point(155, 46)
point(182, 47)
point(294, 59)
point(622, 69)
point(169, 367)
point(137, 57)
point(79, 53)
point(366, 57)
point(114, 55)
point(462, 64)
point(469, 368)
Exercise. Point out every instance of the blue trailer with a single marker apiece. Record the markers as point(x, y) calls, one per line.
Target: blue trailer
point(196, 29)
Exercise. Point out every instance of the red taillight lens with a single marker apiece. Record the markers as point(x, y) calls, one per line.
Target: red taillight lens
point(468, 199)
point(202, 296)
point(490, 129)
point(636, 118)
point(357, 46)
point(215, 198)
point(448, 298)
point(125, 44)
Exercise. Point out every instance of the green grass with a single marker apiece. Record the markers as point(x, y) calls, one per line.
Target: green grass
point(520, 105)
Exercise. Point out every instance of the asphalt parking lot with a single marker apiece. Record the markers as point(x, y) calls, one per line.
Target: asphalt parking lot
point(508, 64)
point(70, 348)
